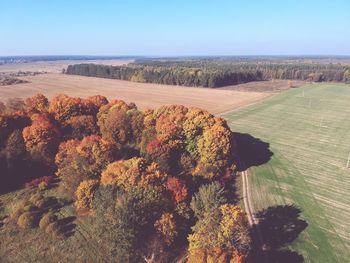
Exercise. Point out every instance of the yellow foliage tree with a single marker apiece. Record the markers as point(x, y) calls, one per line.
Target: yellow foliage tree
point(132, 172)
point(84, 193)
point(166, 226)
point(221, 236)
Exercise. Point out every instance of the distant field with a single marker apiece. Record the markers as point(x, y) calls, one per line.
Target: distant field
point(144, 95)
point(55, 66)
point(308, 132)
point(275, 85)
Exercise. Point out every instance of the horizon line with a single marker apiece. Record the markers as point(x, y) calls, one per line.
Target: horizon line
point(178, 56)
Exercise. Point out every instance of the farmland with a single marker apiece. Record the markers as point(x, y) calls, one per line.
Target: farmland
point(55, 66)
point(143, 94)
point(301, 158)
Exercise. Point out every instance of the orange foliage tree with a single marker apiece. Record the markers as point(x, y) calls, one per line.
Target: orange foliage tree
point(97, 101)
point(63, 107)
point(178, 189)
point(37, 104)
point(80, 160)
point(42, 137)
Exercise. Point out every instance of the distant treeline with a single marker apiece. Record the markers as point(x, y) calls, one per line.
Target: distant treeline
point(208, 73)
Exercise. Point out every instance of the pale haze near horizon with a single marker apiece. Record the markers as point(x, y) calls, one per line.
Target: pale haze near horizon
point(174, 28)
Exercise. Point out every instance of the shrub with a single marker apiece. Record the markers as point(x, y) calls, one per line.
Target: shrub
point(44, 179)
point(18, 209)
point(28, 220)
point(47, 219)
point(43, 186)
point(30, 208)
point(35, 198)
point(40, 201)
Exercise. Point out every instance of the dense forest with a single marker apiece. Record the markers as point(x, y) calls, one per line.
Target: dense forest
point(155, 184)
point(214, 73)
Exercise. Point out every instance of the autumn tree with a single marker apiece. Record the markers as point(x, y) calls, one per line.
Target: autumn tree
point(166, 226)
point(81, 126)
point(197, 120)
point(160, 152)
point(37, 104)
point(121, 123)
point(97, 101)
point(13, 163)
point(169, 121)
point(208, 198)
point(42, 138)
point(178, 189)
point(63, 107)
point(125, 225)
point(223, 233)
point(215, 149)
point(132, 172)
point(81, 160)
point(84, 194)
point(10, 122)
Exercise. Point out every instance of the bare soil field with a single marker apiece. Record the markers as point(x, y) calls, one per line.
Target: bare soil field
point(275, 85)
point(56, 66)
point(143, 94)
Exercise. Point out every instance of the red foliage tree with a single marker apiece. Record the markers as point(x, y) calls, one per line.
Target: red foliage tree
point(178, 189)
point(159, 152)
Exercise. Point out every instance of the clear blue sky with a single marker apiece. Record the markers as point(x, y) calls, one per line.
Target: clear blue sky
point(174, 27)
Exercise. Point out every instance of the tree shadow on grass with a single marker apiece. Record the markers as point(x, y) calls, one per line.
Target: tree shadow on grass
point(279, 226)
point(67, 226)
point(251, 151)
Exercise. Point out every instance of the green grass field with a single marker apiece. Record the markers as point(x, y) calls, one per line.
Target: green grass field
point(308, 131)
